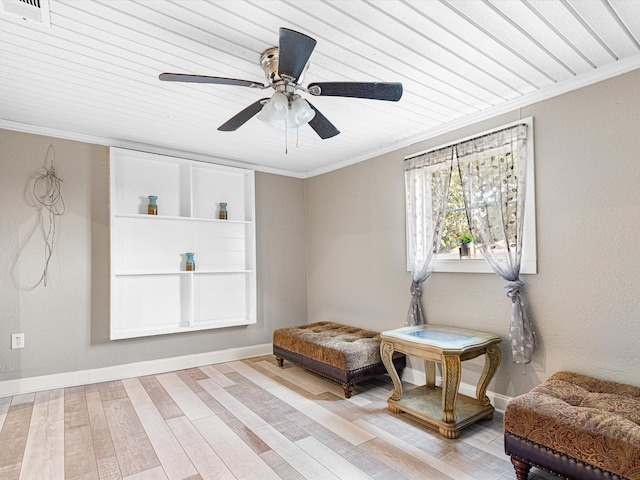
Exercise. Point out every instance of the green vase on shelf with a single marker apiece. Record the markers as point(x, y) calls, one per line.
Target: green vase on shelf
point(223, 211)
point(191, 264)
point(152, 209)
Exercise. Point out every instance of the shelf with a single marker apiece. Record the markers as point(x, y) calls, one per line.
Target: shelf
point(143, 216)
point(151, 292)
point(144, 332)
point(180, 272)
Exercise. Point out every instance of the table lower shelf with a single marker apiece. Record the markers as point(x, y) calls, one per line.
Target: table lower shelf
point(426, 405)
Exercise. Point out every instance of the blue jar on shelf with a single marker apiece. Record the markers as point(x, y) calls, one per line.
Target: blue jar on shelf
point(152, 209)
point(191, 264)
point(223, 211)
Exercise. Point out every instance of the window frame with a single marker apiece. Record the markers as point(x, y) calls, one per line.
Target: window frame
point(448, 262)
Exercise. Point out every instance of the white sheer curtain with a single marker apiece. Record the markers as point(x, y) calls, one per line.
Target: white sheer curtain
point(427, 178)
point(492, 173)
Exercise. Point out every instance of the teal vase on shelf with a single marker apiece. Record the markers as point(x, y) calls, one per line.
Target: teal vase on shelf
point(191, 264)
point(152, 209)
point(223, 211)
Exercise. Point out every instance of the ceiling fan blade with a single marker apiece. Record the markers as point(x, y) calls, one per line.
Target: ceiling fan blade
point(294, 51)
point(375, 91)
point(323, 127)
point(242, 117)
point(184, 77)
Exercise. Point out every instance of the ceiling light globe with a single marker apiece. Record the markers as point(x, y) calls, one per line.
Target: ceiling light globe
point(301, 112)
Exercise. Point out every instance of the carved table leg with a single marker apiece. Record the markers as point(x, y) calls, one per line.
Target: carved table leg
point(522, 469)
point(450, 386)
point(386, 352)
point(491, 364)
point(430, 372)
point(280, 361)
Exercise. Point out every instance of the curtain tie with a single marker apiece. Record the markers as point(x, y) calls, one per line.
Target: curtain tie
point(513, 288)
point(416, 289)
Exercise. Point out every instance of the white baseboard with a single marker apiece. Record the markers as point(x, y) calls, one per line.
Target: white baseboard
point(416, 377)
point(118, 372)
point(21, 386)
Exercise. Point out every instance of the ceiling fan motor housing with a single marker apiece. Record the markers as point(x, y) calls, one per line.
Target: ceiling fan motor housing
point(269, 63)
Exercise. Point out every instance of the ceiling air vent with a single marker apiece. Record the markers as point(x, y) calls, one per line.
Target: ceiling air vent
point(32, 11)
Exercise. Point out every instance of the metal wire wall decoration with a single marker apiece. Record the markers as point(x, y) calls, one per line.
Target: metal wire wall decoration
point(47, 190)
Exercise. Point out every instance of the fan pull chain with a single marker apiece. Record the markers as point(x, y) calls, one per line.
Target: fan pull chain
point(286, 140)
point(50, 198)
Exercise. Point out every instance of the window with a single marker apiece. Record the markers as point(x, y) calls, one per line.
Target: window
point(455, 226)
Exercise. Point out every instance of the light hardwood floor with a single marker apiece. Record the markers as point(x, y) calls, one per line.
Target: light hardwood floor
point(240, 420)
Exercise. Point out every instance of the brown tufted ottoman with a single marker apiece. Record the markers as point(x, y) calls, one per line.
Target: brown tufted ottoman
point(576, 427)
point(347, 355)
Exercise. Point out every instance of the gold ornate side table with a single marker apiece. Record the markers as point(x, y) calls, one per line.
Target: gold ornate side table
point(442, 407)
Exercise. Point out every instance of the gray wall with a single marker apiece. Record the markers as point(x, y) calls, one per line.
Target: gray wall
point(585, 300)
point(66, 324)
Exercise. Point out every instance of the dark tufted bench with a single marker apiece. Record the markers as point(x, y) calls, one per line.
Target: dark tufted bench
point(347, 355)
point(576, 427)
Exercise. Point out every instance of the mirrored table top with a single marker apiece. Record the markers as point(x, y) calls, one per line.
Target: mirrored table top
point(446, 338)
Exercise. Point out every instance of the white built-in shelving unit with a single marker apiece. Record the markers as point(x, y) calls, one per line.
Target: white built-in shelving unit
point(151, 291)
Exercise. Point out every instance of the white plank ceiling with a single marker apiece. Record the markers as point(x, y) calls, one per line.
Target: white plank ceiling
point(93, 74)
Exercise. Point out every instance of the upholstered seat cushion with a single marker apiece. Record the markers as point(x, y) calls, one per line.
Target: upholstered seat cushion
point(592, 420)
point(340, 346)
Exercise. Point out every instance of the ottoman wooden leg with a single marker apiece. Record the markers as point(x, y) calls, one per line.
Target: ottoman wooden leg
point(280, 361)
point(522, 469)
point(348, 390)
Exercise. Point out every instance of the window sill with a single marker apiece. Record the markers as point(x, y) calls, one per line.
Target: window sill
point(452, 264)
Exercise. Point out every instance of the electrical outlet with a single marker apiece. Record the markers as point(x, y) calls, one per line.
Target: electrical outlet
point(17, 340)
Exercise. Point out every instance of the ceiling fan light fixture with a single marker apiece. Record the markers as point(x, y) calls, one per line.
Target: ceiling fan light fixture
point(280, 112)
point(300, 112)
point(275, 110)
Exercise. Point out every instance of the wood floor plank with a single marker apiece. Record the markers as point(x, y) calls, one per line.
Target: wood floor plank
point(79, 454)
point(44, 452)
point(342, 427)
point(205, 459)
point(217, 376)
point(184, 397)
point(48, 406)
point(402, 462)
point(314, 385)
point(282, 468)
point(152, 474)
point(108, 468)
point(102, 441)
point(311, 382)
point(132, 445)
point(26, 398)
point(332, 460)
point(289, 421)
point(111, 391)
point(232, 404)
point(174, 460)
point(297, 458)
point(243, 462)
point(5, 403)
point(223, 368)
point(135, 391)
point(239, 428)
point(13, 439)
point(196, 373)
point(449, 470)
point(162, 400)
point(304, 463)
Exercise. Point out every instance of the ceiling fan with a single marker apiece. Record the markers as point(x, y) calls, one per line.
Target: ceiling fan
point(284, 67)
